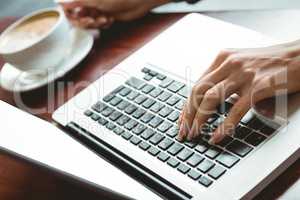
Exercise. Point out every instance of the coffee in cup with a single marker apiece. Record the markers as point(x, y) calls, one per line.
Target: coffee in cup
point(38, 41)
point(29, 32)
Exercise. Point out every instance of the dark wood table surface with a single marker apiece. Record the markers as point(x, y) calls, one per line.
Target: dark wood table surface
point(20, 179)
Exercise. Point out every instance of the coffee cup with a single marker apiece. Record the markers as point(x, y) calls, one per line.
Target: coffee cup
point(38, 41)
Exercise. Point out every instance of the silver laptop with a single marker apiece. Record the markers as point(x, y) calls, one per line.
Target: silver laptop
point(129, 117)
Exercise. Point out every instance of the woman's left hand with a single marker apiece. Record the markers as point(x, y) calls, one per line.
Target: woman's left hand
point(252, 74)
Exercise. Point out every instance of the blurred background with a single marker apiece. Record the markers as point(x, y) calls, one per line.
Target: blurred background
point(22, 7)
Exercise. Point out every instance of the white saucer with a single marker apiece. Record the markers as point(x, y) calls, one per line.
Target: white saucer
point(11, 78)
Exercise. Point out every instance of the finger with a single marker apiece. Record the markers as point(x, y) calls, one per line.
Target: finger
point(110, 21)
point(213, 97)
point(198, 92)
point(194, 101)
point(86, 22)
point(222, 56)
point(100, 22)
point(241, 107)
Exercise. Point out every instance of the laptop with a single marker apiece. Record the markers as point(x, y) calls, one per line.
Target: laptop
point(129, 116)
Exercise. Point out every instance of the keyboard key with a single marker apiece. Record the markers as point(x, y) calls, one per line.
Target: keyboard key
point(107, 111)
point(95, 117)
point(267, 130)
point(160, 77)
point(147, 117)
point(99, 107)
point(163, 156)
point(139, 129)
point(190, 144)
point(118, 131)
point(115, 101)
point(173, 100)
point(175, 86)
point(184, 154)
point(135, 140)
point(126, 135)
point(153, 151)
point(206, 129)
point(110, 126)
point(156, 138)
point(157, 107)
point(256, 124)
point(115, 115)
point(224, 108)
point(148, 88)
point(242, 132)
point(109, 97)
point(122, 105)
point(213, 152)
point(157, 91)
point(216, 172)
point(166, 111)
point(148, 133)
point(132, 95)
point(183, 168)
point(144, 145)
point(255, 139)
point(131, 124)
point(202, 146)
point(148, 103)
point(102, 121)
point(218, 122)
point(136, 83)
point(117, 90)
point(139, 113)
point(227, 159)
point(148, 77)
point(193, 174)
point(173, 162)
point(239, 148)
point(164, 96)
point(140, 99)
point(175, 149)
point(130, 109)
point(212, 118)
point(145, 70)
point(123, 120)
point(195, 160)
point(205, 181)
point(164, 126)
point(227, 140)
point(172, 132)
point(184, 92)
point(125, 91)
point(153, 73)
point(165, 143)
point(205, 166)
point(180, 104)
point(247, 118)
point(166, 82)
point(155, 122)
point(174, 116)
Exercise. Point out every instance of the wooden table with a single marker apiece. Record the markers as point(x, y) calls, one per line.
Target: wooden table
point(22, 180)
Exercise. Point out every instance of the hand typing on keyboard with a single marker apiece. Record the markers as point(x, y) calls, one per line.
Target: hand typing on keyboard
point(252, 74)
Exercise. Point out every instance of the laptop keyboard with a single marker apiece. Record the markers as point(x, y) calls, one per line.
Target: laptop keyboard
point(145, 113)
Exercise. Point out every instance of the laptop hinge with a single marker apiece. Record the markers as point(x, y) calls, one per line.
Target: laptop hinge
point(153, 181)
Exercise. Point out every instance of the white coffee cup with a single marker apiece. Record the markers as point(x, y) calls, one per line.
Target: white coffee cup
point(46, 52)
